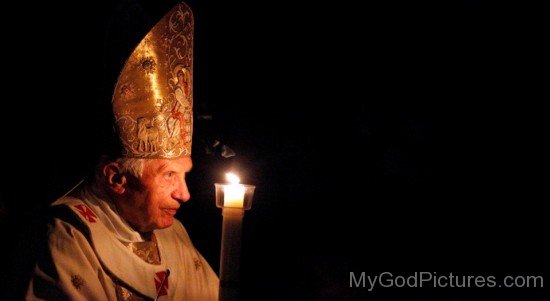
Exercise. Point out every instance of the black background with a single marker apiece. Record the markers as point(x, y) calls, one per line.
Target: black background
point(381, 136)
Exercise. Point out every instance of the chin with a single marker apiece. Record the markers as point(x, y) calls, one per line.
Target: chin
point(165, 223)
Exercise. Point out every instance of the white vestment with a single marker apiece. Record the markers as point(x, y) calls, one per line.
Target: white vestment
point(88, 258)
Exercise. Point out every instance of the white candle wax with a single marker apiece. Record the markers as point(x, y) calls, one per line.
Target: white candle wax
point(233, 196)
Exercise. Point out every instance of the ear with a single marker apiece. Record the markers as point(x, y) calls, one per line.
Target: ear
point(115, 179)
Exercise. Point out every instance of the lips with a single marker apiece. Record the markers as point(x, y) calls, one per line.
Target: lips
point(170, 211)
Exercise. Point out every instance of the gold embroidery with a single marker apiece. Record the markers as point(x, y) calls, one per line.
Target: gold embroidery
point(153, 98)
point(123, 294)
point(147, 251)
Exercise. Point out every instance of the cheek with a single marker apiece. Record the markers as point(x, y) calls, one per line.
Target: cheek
point(165, 188)
point(144, 204)
point(158, 198)
point(162, 185)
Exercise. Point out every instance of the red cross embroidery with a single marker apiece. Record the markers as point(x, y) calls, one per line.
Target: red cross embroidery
point(86, 213)
point(159, 279)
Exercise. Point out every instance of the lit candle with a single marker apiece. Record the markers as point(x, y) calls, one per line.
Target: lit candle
point(233, 193)
point(236, 199)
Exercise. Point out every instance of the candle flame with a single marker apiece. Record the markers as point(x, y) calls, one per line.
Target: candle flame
point(232, 178)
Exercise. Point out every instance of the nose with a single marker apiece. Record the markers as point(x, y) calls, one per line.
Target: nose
point(181, 193)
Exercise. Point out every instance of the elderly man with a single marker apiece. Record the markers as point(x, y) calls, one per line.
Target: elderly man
point(115, 237)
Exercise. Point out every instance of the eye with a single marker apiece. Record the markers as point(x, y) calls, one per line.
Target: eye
point(170, 174)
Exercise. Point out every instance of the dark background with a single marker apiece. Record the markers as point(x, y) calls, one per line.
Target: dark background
point(381, 136)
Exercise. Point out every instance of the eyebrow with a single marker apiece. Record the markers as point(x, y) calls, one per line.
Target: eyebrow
point(161, 167)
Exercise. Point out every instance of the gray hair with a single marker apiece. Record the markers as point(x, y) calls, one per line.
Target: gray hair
point(133, 166)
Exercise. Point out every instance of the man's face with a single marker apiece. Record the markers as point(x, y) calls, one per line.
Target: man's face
point(152, 203)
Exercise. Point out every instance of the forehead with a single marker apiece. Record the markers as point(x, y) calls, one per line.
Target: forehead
point(159, 165)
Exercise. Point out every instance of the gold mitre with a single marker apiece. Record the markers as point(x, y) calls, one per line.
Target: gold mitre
point(153, 97)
